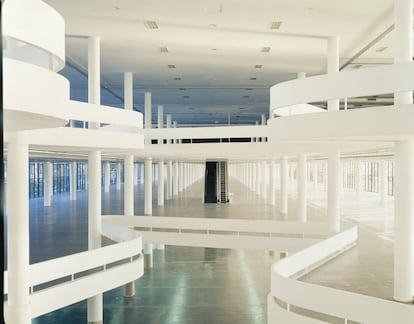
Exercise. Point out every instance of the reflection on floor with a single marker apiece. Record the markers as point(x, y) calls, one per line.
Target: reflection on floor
point(204, 285)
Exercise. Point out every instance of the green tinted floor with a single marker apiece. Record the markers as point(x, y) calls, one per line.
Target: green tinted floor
point(186, 285)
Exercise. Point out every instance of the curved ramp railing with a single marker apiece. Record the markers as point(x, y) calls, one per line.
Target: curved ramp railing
point(287, 291)
point(66, 280)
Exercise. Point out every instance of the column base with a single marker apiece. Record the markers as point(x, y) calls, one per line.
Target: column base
point(129, 289)
point(148, 261)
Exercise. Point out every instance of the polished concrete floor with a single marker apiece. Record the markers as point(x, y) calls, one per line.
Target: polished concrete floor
point(204, 285)
point(186, 285)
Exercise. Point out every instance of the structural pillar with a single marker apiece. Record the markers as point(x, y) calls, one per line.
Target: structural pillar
point(272, 180)
point(107, 178)
point(18, 247)
point(333, 190)
point(169, 180)
point(404, 166)
point(95, 305)
point(175, 183)
point(118, 176)
point(283, 185)
point(301, 186)
point(161, 183)
point(333, 66)
point(73, 182)
point(148, 257)
point(48, 183)
point(383, 182)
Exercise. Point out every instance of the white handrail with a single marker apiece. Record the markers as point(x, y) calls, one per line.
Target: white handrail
point(220, 224)
point(329, 301)
point(73, 271)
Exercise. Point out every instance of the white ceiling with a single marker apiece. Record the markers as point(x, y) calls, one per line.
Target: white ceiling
point(215, 46)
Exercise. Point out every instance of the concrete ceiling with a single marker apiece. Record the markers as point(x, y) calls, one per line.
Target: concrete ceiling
point(215, 46)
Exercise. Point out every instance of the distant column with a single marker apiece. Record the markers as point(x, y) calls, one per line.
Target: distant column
point(383, 182)
point(107, 178)
point(301, 186)
point(169, 180)
point(48, 183)
point(272, 179)
point(283, 206)
point(161, 183)
point(148, 186)
point(118, 176)
point(333, 209)
point(73, 182)
point(175, 183)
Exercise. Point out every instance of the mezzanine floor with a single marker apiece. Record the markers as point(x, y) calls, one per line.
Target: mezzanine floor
point(204, 285)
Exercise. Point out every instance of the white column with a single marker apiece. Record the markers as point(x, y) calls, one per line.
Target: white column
point(161, 183)
point(333, 66)
point(136, 174)
point(94, 74)
point(160, 121)
point(148, 187)
point(129, 185)
point(128, 91)
point(383, 182)
point(180, 177)
point(176, 141)
point(301, 186)
point(73, 182)
point(129, 180)
point(48, 183)
point(169, 125)
point(118, 176)
point(264, 178)
point(358, 179)
point(333, 191)
point(283, 185)
point(258, 178)
point(18, 246)
point(315, 175)
point(404, 221)
point(404, 166)
point(169, 180)
point(148, 106)
point(95, 305)
point(107, 178)
point(272, 179)
point(175, 188)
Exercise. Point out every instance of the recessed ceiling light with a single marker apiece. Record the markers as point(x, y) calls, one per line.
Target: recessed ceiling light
point(177, 78)
point(248, 89)
point(171, 66)
point(258, 66)
point(116, 8)
point(265, 49)
point(182, 89)
point(381, 49)
point(246, 96)
point(213, 49)
point(190, 108)
point(253, 78)
point(275, 24)
point(151, 24)
point(186, 97)
point(163, 49)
